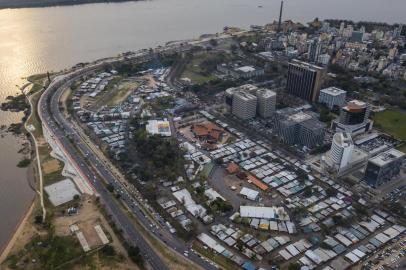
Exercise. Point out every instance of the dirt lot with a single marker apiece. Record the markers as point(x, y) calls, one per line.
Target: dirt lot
point(51, 166)
point(150, 80)
point(86, 219)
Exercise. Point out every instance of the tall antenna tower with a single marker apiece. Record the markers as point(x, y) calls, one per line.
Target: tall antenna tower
point(280, 17)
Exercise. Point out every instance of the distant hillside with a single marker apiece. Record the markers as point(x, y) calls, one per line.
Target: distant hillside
point(47, 3)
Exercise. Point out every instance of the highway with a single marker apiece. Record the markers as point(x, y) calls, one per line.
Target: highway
point(91, 168)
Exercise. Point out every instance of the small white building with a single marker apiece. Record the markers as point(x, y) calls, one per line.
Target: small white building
point(159, 127)
point(249, 194)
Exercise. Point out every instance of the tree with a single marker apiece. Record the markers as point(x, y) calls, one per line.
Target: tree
point(38, 219)
point(307, 191)
point(135, 255)
point(213, 42)
point(76, 197)
point(331, 192)
point(108, 250)
point(340, 221)
point(110, 187)
point(294, 266)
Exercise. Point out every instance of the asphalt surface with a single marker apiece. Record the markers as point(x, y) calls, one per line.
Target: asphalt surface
point(81, 156)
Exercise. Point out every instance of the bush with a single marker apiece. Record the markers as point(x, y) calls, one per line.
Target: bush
point(135, 255)
point(23, 163)
point(110, 187)
point(294, 266)
point(108, 250)
point(331, 192)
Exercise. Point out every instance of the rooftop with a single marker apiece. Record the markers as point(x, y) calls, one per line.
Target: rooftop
point(244, 95)
point(265, 93)
point(246, 69)
point(299, 117)
point(161, 127)
point(354, 105)
point(306, 65)
point(387, 157)
point(333, 91)
point(343, 139)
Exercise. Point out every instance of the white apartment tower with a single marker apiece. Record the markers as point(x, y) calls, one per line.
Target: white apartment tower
point(266, 102)
point(244, 105)
point(341, 149)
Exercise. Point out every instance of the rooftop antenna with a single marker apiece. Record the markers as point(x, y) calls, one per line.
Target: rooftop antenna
point(280, 17)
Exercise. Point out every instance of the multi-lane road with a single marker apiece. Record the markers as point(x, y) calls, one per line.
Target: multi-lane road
point(97, 173)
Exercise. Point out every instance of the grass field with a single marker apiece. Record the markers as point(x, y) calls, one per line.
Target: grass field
point(121, 93)
point(392, 122)
point(194, 69)
point(115, 92)
point(217, 258)
point(402, 148)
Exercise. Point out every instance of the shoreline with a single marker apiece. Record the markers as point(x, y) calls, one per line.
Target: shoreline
point(17, 4)
point(4, 252)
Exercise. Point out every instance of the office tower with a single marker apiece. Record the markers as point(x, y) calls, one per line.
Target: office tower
point(304, 80)
point(300, 128)
point(383, 167)
point(353, 118)
point(314, 50)
point(323, 59)
point(354, 113)
point(332, 96)
point(357, 36)
point(266, 102)
point(244, 105)
point(342, 26)
point(341, 149)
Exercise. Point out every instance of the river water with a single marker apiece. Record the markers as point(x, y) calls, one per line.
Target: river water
point(45, 39)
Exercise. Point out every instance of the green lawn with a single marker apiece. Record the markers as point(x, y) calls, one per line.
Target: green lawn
point(121, 93)
point(392, 122)
point(200, 68)
point(116, 91)
point(217, 258)
point(402, 148)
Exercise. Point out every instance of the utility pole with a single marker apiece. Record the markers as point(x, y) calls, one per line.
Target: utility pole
point(280, 17)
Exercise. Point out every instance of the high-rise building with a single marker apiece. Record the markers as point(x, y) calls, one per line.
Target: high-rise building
point(332, 96)
point(341, 31)
point(244, 105)
point(357, 36)
point(354, 113)
point(383, 167)
point(304, 80)
point(298, 127)
point(266, 102)
point(314, 50)
point(353, 118)
point(248, 100)
point(341, 149)
point(323, 59)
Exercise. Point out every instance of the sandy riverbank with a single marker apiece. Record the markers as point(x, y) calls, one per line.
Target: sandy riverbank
point(19, 228)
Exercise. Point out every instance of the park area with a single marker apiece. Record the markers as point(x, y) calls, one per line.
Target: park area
point(392, 122)
point(200, 68)
point(116, 91)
